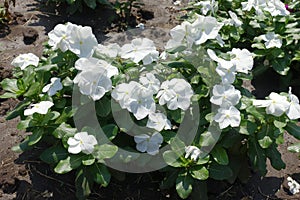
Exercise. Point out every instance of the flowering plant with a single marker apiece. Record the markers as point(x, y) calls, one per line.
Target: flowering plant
point(184, 111)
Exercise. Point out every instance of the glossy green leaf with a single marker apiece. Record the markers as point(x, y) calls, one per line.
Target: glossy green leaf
point(184, 185)
point(265, 142)
point(101, 174)
point(293, 129)
point(105, 151)
point(295, 148)
point(219, 154)
point(219, 172)
point(64, 129)
point(54, 154)
point(199, 172)
point(68, 164)
point(172, 159)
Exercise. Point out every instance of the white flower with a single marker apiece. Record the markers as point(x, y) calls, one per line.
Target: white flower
point(122, 93)
point(110, 50)
point(293, 111)
point(140, 49)
point(158, 121)
point(80, 40)
point(243, 60)
point(176, 93)
point(181, 35)
point(271, 40)
point(227, 74)
point(93, 64)
point(83, 41)
point(24, 60)
point(150, 82)
point(294, 186)
point(60, 37)
point(141, 102)
point(234, 19)
point(53, 87)
point(276, 104)
point(81, 142)
point(225, 95)
point(41, 108)
point(206, 27)
point(274, 7)
point(93, 83)
point(149, 144)
point(228, 116)
point(193, 152)
point(206, 6)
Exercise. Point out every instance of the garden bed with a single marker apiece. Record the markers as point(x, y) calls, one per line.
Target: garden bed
point(24, 176)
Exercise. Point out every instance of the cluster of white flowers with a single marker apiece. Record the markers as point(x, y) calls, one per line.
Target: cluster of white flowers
point(202, 29)
point(224, 94)
point(94, 77)
point(294, 186)
point(274, 7)
point(140, 49)
point(277, 104)
point(82, 142)
point(193, 152)
point(78, 39)
point(24, 60)
point(137, 98)
point(271, 40)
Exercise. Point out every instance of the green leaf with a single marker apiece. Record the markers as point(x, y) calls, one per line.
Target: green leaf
point(33, 89)
point(219, 172)
point(68, 164)
point(177, 146)
point(22, 125)
point(105, 151)
point(280, 66)
point(91, 3)
point(202, 161)
point(67, 113)
point(265, 142)
point(7, 95)
point(103, 107)
point(247, 128)
point(36, 136)
point(9, 85)
point(275, 157)
point(252, 110)
point(257, 156)
point(199, 190)
point(168, 135)
point(110, 130)
point(172, 159)
point(219, 154)
point(23, 146)
point(18, 110)
point(295, 148)
point(88, 160)
point(101, 174)
point(184, 185)
point(83, 184)
point(62, 130)
point(199, 172)
point(279, 124)
point(293, 129)
point(54, 154)
point(170, 179)
point(177, 115)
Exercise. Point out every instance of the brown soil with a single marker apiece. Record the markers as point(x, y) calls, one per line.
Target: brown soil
point(23, 176)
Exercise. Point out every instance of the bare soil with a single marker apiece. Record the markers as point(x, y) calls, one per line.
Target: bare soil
point(24, 176)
